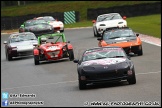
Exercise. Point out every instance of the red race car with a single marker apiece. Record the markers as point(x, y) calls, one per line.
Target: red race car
point(49, 48)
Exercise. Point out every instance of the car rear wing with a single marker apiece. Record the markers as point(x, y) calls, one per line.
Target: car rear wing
point(51, 36)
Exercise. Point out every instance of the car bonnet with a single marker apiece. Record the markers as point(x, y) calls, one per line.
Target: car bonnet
point(105, 61)
point(110, 22)
point(121, 39)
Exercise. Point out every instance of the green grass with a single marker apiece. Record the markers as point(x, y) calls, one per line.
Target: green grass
point(150, 25)
point(64, 6)
point(79, 24)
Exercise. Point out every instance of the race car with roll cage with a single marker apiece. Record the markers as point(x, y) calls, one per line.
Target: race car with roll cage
point(49, 48)
point(124, 37)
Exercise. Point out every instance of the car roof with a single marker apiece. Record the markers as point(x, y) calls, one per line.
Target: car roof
point(38, 17)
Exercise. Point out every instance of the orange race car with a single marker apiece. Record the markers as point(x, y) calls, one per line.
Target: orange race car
point(123, 37)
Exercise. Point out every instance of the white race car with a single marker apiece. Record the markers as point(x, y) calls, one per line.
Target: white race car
point(20, 44)
point(58, 25)
point(108, 21)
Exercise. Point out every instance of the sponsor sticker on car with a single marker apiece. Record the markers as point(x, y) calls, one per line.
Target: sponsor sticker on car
point(53, 48)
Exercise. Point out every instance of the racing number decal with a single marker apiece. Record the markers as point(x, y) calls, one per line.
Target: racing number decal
point(52, 48)
point(105, 62)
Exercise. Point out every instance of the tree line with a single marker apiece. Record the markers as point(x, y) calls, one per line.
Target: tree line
point(20, 3)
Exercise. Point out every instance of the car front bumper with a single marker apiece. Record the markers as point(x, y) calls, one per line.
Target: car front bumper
point(133, 49)
point(16, 53)
point(101, 77)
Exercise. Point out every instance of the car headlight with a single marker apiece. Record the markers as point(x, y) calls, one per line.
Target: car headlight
point(102, 25)
point(129, 72)
point(12, 48)
point(120, 22)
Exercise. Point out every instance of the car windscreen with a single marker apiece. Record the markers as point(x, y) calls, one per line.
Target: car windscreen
point(117, 33)
point(103, 53)
point(34, 22)
point(48, 18)
point(22, 37)
point(108, 17)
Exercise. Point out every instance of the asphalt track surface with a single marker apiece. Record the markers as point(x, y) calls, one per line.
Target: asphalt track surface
point(56, 83)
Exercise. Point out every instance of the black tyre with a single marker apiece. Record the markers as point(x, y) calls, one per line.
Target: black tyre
point(97, 34)
point(94, 33)
point(132, 79)
point(140, 52)
point(71, 55)
point(36, 59)
point(82, 85)
point(8, 56)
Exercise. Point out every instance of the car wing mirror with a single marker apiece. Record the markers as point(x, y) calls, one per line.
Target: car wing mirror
point(131, 54)
point(137, 34)
point(5, 42)
point(93, 21)
point(124, 17)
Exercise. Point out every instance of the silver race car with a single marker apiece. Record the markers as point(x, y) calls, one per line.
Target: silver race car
point(20, 44)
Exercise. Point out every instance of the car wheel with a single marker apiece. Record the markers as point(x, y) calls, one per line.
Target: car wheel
point(8, 57)
point(94, 33)
point(132, 79)
point(97, 34)
point(140, 52)
point(36, 59)
point(82, 85)
point(71, 55)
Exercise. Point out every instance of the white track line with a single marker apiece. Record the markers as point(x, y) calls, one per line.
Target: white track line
point(148, 73)
point(151, 42)
point(67, 82)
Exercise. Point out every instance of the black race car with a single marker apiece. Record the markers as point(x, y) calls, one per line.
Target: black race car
point(36, 26)
point(105, 64)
